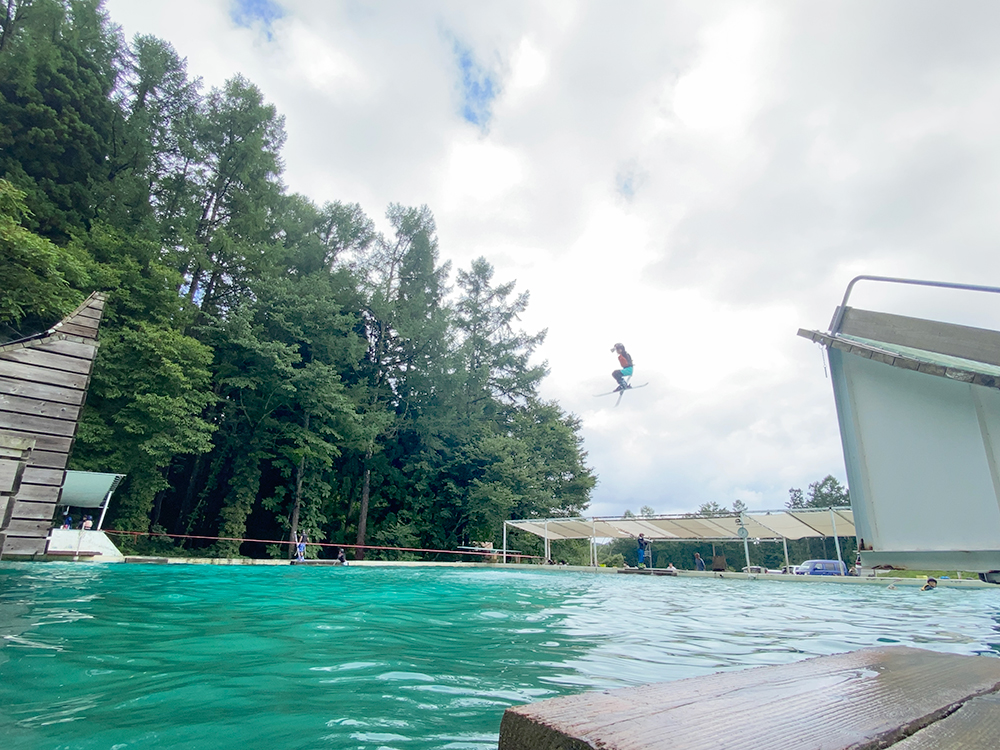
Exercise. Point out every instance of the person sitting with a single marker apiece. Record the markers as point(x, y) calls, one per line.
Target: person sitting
point(670, 567)
point(341, 557)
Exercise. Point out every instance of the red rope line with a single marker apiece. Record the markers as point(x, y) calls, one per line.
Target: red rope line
point(494, 552)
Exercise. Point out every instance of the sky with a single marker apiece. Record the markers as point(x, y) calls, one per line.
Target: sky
point(696, 180)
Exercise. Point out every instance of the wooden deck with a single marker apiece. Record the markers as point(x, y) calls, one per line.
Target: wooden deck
point(43, 386)
point(896, 697)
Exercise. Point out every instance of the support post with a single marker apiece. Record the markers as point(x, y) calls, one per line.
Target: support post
point(836, 539)
point(504, 542)
point(788, 565)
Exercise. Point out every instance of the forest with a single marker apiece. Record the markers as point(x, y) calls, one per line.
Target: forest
point(267, 365)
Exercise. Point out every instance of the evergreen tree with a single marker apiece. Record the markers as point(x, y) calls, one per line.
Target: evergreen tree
point(40, 278)
point(58, 71)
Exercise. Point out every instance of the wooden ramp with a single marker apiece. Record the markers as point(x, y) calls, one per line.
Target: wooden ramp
point(43, 385)
point(898, 697)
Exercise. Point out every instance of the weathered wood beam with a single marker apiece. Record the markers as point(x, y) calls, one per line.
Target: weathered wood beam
point(870, 698)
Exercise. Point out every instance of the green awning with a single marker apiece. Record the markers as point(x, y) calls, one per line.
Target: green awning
point(88, 489)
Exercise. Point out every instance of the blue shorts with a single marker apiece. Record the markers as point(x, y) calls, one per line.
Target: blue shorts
point(627, 372)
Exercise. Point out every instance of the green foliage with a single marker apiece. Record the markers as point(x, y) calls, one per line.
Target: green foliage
point(57, 74)
point(712, 509)
point(266, 365)
point(826, 493)
point(40, 279)
point(148, 395)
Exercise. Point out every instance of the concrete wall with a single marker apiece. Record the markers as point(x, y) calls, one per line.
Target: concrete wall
point(921, 453)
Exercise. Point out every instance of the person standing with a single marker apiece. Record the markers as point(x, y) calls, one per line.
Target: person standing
point(625, 360)
point(699, 564)
point(300, 548)
point(643, 546)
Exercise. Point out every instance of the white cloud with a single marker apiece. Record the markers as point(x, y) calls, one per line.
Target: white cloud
point(726, 86)
point(528, 68)
point(479, 172)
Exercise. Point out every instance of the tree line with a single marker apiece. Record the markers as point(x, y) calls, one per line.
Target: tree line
point(266, 365)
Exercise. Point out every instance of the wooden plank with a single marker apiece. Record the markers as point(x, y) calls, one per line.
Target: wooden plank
point(46, 442)
point(38, 408)
point(38, 493)
point(76, 319)
point(40, 511)
point(974, 726)
point(28, 526)
point(36, 425)
point(49, 459)
point(43, 375)
point(15, 446)
point(10, 471)
point(75, 329)
point(51, 360)
point(88, 312)
point(41, 391)
point(35, 475)
point(977, 344)
point(863, 699)
point(15, 545)
point(67, 347)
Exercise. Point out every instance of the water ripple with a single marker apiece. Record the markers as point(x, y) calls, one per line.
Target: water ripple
point(135, 656)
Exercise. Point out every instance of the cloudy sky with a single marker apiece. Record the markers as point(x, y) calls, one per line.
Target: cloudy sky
point(694, 179)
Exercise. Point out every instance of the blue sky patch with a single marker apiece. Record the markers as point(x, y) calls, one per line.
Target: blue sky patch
point(249, 13)
point(478, 88)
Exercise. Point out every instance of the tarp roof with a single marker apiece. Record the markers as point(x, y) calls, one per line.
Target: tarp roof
point(88, 489)
point(775, 524)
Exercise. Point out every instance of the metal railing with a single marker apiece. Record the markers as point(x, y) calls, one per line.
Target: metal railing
point(838, 317)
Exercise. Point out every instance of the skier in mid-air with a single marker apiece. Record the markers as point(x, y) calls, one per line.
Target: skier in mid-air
point(626, 371)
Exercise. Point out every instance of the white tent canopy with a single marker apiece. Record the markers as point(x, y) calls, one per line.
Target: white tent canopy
point(775, 524)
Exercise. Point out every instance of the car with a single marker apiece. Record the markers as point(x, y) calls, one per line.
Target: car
point(821, 568)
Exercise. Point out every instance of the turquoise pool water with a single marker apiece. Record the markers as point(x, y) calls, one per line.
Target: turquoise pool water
point(123, 657)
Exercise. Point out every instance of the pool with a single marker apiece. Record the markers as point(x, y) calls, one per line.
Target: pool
point(129, 657)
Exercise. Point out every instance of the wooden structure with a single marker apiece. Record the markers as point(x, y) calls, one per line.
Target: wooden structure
point(897, 697)
point(43, 385)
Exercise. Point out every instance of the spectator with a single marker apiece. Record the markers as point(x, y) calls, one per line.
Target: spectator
point(699, 564)
point(643, 546)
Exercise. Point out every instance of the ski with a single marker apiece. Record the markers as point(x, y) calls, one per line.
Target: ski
point(620, 392)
